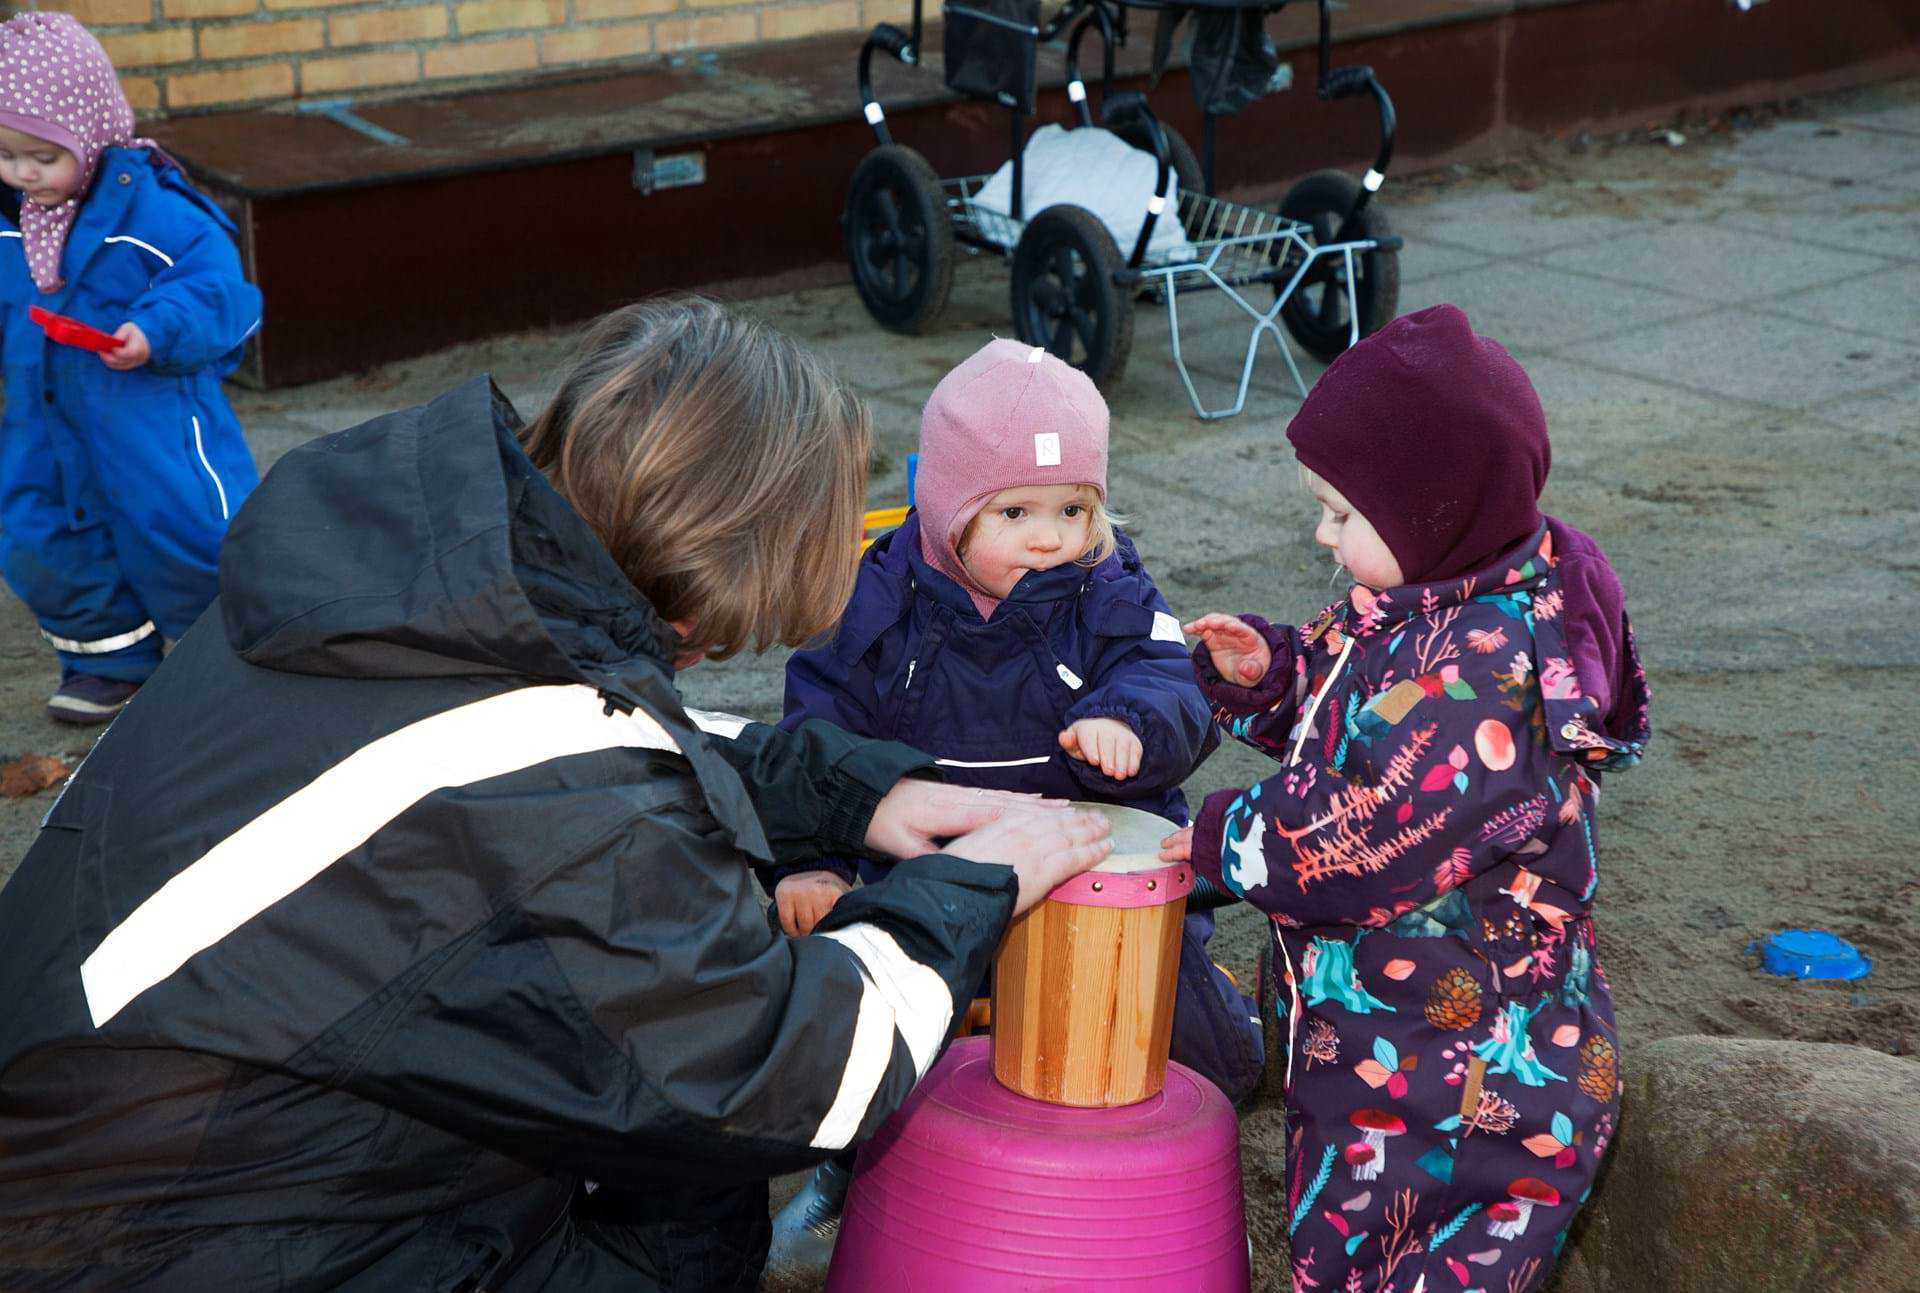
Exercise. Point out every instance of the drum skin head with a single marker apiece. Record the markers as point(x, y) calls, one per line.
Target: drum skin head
point(1136, 836)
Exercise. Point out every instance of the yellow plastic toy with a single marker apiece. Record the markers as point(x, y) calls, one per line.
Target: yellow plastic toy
point(879, 521)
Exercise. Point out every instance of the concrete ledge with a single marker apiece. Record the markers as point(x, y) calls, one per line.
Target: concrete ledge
point(517, 207)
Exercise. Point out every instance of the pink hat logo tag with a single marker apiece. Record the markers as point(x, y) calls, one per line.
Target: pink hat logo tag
point(1046, 449)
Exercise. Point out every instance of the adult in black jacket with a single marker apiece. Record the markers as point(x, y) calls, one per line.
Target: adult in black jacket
point(400, 934)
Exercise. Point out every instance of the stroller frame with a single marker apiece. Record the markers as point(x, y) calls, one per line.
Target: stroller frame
point(1233, 246)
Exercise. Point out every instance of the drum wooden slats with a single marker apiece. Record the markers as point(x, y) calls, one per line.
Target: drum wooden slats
point(1083, 1002)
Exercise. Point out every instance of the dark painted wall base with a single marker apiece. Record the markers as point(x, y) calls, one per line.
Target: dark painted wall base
point(368, 254)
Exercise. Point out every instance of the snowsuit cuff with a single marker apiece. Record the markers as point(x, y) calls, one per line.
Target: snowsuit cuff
point(1209, 836)
point(934, 905)
point(1263, 695)
point(160, 322)
point(1089, 774)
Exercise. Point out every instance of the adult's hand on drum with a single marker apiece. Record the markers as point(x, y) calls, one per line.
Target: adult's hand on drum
point(1045, 849)
point(1178, 847)
point(916, 815)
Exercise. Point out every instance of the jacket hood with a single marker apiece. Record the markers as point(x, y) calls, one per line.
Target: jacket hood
point(1011, 415)
point(1559, 585)
point(1594, 621)
point(1434, 434)
point(426, 544)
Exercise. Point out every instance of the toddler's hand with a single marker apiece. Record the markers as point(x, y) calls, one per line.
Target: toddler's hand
point(1238, 652)
point(1178, 847)
point(1106, 742)
point(804, 897)
point(134, 349)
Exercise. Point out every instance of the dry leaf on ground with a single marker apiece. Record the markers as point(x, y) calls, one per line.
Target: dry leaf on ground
point(30, 774)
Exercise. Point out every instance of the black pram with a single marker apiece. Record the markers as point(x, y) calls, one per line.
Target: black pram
point(1327, 253)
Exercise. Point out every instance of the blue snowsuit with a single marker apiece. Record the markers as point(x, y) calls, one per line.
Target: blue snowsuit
point(912, 661)
point(116, 487)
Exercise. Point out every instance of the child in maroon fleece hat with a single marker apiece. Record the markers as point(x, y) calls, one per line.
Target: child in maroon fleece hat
point(1427, 852)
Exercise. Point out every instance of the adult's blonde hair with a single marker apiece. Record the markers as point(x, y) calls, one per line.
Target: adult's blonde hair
point(722, 465)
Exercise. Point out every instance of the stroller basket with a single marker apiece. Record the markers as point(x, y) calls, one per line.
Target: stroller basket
point(1237, 244)
point(1230, 246)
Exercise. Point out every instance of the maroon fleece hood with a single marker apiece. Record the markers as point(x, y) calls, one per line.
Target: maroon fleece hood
point(1436, 435)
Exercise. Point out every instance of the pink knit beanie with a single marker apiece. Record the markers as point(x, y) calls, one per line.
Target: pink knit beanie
point(1011, 415)
point(57, 84)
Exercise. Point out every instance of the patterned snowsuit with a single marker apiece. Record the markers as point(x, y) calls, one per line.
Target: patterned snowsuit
point(1428, 858)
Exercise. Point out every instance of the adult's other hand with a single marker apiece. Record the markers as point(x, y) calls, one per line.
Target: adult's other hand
point(916, 815)
point(1045, 849)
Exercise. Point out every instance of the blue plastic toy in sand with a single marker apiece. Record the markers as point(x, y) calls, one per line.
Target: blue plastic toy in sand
point(1812, 954)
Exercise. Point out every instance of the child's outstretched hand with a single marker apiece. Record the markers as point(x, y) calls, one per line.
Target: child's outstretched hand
point(1178, 847)
point(1105, 742)
point(804, 897)
point(134, 348)
point(1239, 654)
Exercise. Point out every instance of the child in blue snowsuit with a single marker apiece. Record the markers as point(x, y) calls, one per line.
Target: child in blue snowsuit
point(1007, 629)
point(118, 470)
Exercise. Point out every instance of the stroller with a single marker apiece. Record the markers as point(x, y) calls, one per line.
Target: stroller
point(1327, 255)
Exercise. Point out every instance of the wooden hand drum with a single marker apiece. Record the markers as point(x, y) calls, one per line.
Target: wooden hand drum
point(1083, 986)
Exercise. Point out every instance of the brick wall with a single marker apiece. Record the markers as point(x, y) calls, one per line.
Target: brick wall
point(178, 56)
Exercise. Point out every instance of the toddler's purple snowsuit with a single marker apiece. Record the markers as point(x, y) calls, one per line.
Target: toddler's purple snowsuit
point(1428, 858)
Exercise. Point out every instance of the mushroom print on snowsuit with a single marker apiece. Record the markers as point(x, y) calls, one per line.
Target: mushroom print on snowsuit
point(1427, 855)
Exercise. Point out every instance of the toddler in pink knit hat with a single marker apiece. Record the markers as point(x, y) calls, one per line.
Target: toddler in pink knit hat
point(1013, 479)
point(1010, 631)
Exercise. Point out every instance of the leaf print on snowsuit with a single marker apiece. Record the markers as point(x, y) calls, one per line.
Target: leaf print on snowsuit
point(1428, 858)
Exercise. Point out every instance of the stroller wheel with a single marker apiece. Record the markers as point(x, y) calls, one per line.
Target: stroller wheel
point(1318, 312)
point(1064, 296)
point(899, 239)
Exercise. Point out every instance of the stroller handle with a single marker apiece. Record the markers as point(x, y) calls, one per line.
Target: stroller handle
point(905, 48)
point(1346, 83)
point(898, 43)
point(1120, 110)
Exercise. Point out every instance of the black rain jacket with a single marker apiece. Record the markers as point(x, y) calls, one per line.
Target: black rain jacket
point(407, 897)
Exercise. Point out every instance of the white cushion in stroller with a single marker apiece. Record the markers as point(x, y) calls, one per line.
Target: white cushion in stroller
point(1096, 169)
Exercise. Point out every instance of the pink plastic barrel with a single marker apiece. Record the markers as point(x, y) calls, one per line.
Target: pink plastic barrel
point(972, 1188)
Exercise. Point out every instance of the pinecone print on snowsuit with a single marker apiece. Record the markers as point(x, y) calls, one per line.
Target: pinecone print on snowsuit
point(1599, 1068)
point(1454, 1001)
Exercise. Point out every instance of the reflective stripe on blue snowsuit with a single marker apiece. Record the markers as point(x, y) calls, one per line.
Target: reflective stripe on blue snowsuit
point(116, 487)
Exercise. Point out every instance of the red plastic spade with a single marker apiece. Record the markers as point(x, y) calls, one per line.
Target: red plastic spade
point(72, 332)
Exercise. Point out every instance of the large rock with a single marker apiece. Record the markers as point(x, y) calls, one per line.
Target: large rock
point(1757, 1166)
